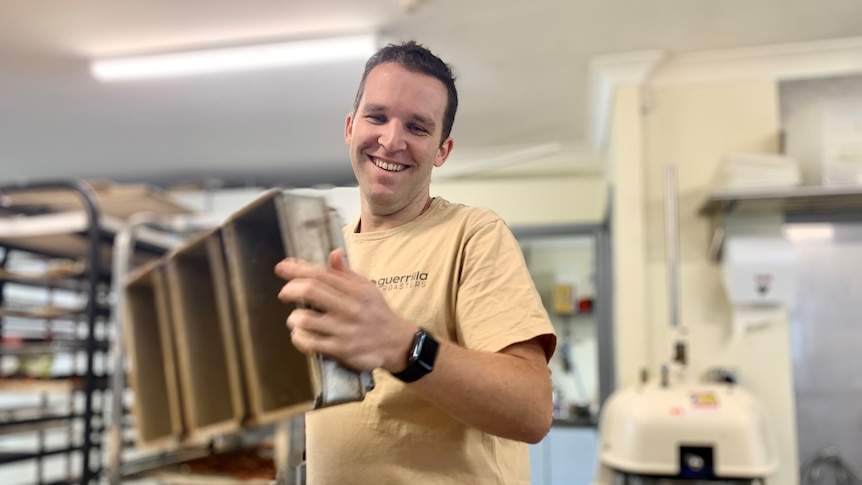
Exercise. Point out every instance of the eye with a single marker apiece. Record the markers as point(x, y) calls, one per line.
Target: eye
point(417, 129)
point(376, 118)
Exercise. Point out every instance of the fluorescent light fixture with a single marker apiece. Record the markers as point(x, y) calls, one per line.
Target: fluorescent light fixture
point(809, 232)
point(235, 58)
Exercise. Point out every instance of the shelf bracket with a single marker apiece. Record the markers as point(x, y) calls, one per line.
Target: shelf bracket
point(716, 243)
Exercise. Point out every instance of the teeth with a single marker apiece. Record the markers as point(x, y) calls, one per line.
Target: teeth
point(391, 167)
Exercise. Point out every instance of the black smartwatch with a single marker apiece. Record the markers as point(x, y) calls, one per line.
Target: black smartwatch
point(420, 360)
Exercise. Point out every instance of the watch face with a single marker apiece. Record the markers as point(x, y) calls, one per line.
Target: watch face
point(418, 343)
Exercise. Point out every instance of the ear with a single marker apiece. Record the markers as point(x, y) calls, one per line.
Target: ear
point(443, 152)
point(348, 128)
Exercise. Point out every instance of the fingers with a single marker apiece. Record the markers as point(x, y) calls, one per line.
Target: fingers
point(306, 327)
point(338, 275)
point(290, 268)
point(321, 288)
point(315, 294)
point(313, 332)
point(333, 303)
point(306, 341)
point(338, 260)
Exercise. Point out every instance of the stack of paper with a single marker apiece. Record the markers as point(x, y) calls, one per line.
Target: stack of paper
point(841, 143)
point(756, 171)
point(842, 164)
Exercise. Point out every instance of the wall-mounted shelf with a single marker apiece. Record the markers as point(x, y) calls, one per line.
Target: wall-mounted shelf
point(796, 203)
point(795, 200)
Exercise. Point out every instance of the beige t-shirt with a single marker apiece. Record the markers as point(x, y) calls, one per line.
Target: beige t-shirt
point(458, 272)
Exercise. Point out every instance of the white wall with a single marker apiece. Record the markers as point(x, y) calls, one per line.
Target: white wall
point(541, 201)
point(628, 233)
point(808, 108)
point(221, 203)
point(532, 201)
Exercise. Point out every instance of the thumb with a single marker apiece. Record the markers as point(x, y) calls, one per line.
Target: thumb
point(338, 259)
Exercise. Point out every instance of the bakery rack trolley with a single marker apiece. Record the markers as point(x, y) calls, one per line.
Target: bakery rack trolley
point(87, 444)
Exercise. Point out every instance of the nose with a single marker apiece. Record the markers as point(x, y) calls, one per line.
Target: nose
point(392, 137)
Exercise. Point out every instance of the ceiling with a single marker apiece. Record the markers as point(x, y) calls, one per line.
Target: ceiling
point(521, 69)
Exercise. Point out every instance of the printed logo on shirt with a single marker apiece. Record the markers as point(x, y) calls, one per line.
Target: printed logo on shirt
point(401, 282)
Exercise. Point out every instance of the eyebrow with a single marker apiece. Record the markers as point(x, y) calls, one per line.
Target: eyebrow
point(377, 108)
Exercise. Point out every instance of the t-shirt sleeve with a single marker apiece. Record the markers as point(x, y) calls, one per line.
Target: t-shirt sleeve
point(497, 304)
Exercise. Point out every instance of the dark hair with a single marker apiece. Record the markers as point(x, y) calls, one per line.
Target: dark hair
point(416, 58)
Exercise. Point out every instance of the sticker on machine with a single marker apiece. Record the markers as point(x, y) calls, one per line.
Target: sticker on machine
point(703, 401)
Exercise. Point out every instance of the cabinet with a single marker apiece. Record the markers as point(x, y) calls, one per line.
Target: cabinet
point(55, 326)
point(567, 456)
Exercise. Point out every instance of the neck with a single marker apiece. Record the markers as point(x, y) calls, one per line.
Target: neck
point(372, 220)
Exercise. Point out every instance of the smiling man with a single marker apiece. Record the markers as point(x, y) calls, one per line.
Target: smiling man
point(438, 303)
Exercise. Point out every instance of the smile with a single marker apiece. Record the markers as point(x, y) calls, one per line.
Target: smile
point(389, 166)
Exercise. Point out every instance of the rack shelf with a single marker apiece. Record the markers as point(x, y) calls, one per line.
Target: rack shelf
point(7, 457)
point(51, 312)
point(41, 423)
point(64, 482)
point(50, 385)
point(57, 272)
point(64, 235)
point(46, 347)
point(42, 311)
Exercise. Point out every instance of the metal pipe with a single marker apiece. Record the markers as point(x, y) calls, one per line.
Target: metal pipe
point(123, 244)
point(671, 233)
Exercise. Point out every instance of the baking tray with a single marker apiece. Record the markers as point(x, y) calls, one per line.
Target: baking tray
point(281, 381)
point(210, 385)
point(150, 356)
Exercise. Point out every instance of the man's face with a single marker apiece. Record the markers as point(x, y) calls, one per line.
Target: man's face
point(394, 137)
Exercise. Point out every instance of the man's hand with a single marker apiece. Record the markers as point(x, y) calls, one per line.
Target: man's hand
point(345, 316)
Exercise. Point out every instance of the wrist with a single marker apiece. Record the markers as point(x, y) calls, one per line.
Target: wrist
point(400, 347)
point(421, 359)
